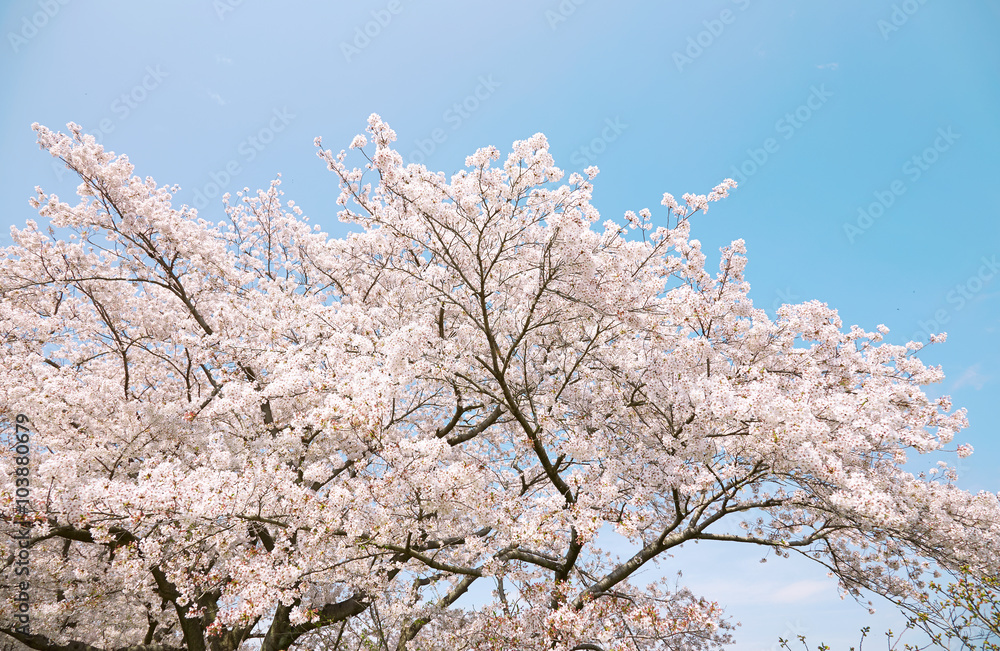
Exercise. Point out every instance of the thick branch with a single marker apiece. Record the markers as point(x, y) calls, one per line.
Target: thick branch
point(42, 643)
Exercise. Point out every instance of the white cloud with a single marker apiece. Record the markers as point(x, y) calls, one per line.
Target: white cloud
point(737, 590)
point(800, 592)
point(971, 377)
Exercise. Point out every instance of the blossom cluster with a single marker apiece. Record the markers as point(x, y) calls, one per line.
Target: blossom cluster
point(263, 426)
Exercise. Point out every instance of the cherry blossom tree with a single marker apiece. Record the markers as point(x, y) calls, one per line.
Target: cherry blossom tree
point(425, 434)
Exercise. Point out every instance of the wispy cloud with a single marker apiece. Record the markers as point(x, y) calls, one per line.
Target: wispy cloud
point(737, 590)
point(828, 66)
point(971, 377)
point(800, 591)
point(218, 98)
point(223, 60)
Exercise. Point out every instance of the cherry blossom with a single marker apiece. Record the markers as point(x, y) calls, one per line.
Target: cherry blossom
point(250, 431)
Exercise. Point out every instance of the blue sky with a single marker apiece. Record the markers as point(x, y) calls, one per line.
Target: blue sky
point(864, 136)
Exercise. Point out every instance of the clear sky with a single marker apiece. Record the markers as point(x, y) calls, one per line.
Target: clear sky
point(864, 134)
